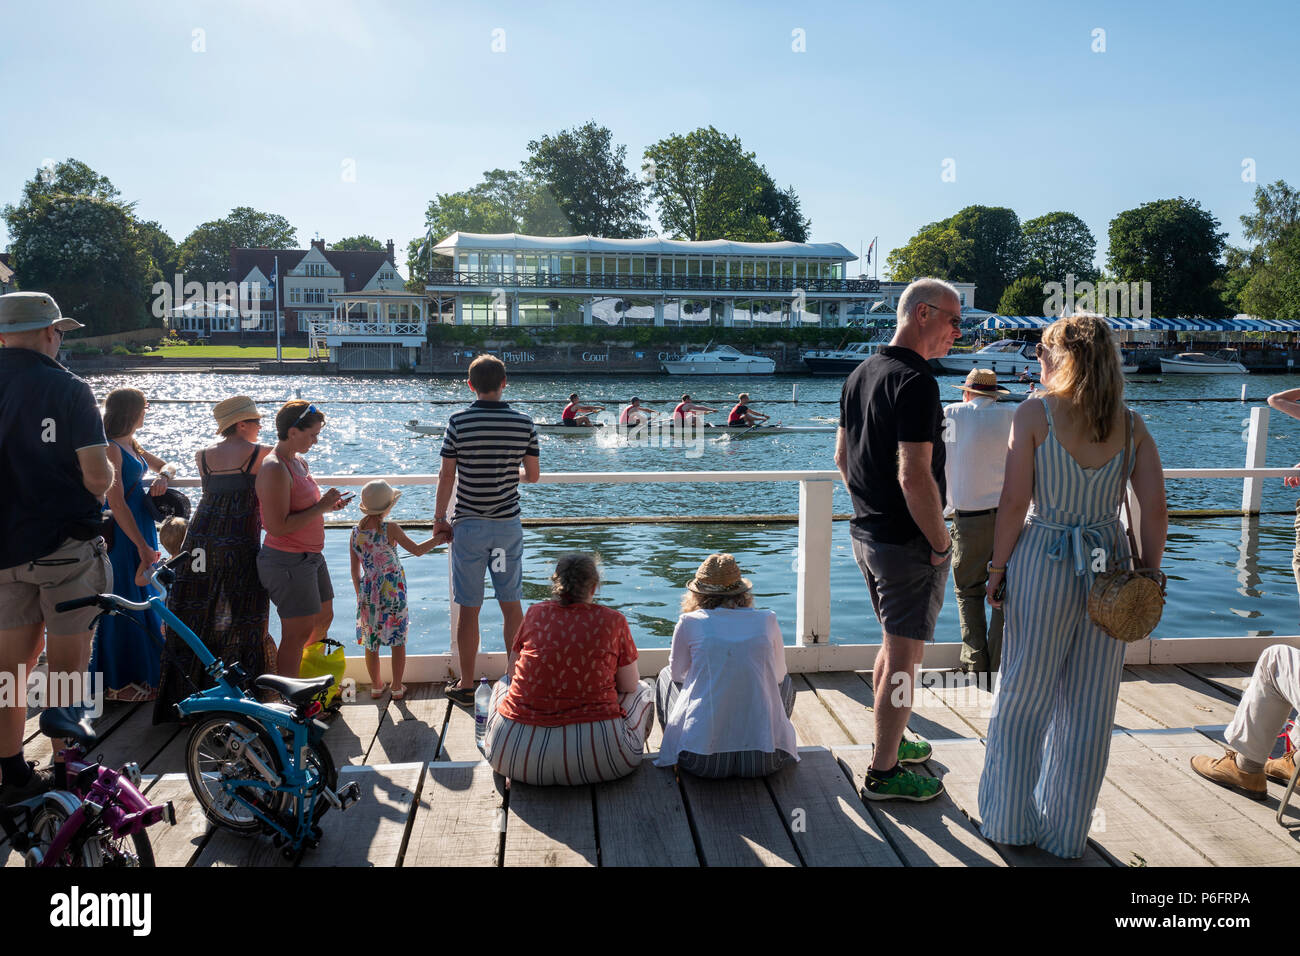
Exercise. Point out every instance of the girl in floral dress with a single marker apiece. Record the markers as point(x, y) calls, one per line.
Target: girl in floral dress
point(380, 583)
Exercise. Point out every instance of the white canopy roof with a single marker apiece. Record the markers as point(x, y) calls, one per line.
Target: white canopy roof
point(513, 241)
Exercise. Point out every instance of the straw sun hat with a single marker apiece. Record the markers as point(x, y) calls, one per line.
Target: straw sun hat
point(377, 497)
point(234, 410)
point(719, 575)
point(984, 381)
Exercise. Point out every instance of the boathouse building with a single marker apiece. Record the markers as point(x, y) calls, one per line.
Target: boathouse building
point(512, 279)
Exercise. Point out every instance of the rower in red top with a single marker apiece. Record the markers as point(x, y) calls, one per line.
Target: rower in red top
point(687, 411)
point(576, 414)
point(742, 415)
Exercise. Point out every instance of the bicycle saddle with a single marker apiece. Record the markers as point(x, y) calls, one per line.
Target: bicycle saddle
point(294, 691)
point(69, 722)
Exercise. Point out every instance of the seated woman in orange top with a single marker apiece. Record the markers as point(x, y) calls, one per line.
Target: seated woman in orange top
point(571, 708)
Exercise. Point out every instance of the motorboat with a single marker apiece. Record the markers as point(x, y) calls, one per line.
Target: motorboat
point(720, 360)
point(839, 361)
point(1006, 357)
point(1222, 362)
point(652, 427)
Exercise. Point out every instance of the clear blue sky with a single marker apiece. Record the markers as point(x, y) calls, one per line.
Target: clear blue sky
point(286, 91)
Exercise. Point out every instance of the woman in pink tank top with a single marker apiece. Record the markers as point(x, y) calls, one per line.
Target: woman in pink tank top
point(291, 563)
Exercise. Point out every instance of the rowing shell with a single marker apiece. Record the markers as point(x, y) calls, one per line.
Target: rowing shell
point(585, 431)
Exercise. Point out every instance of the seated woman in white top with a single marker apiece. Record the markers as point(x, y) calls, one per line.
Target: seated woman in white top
point(724, 699)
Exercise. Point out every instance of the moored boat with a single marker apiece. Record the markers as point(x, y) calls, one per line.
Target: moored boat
point(839, 361)
point(1222, 362)
point(1006, 357)
point(720, 360)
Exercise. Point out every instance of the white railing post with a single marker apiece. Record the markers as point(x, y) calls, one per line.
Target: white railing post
point(1256, 449)
point(813, 563)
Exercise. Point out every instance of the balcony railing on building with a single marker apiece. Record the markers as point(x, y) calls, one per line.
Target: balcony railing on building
point(788, 285)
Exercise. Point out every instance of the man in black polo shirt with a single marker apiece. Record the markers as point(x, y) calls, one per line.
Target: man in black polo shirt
point(890, 451)
point(53, 477)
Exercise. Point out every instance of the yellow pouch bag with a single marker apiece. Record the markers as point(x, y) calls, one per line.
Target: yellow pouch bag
point(325, 657)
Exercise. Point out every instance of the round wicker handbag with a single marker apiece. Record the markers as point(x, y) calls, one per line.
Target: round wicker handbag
point(1125, 603)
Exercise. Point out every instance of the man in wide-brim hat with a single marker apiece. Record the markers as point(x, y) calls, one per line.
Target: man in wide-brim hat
point(976, 431)
point(53, 477)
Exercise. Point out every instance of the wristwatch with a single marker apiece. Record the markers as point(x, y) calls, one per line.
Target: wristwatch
point(945, 551)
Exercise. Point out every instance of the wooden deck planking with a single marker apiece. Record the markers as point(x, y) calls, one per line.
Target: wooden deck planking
point(966, 695)
point(656, 738)
point(1174, 698)
point(848, 697)
point(813, 723)
point(641, 820)
point(1178, 748)
point(737, 823)
point(459, 819)
point(550, 826)
point(353, 729)
point(1231, 679)
point(828, 822)
point(923, 834)
point(136, 738)
point(229, 849)
point(178, 845)
point(960, 764)
point(412, 731)
point(458, 736)
point(41, 748)
point(933, 719)
point(371, 831)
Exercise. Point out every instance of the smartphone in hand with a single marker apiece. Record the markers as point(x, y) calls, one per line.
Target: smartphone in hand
point(1000, 592)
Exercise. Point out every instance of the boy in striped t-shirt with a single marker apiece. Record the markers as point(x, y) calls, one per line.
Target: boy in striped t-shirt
point(487, 449)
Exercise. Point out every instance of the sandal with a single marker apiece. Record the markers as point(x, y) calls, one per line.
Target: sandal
point(376, 693)
point(399, 694)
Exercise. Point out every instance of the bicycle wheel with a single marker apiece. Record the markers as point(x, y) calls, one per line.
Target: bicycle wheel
point(49, 820)
point(319, 757)
point(129, 852)
point(210, 760)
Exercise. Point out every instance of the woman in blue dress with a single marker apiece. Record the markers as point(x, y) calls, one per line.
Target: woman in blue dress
point(126, 658)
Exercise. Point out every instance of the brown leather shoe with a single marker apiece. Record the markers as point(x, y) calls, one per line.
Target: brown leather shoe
point(1280, 768)
point(1226, 773)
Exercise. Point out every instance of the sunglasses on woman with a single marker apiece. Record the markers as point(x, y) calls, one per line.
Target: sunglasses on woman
point(311, 410)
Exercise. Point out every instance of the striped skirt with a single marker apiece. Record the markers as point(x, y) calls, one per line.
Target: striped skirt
point(572, 753)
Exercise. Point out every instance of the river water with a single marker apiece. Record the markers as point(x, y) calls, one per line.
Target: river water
point(1228, 575)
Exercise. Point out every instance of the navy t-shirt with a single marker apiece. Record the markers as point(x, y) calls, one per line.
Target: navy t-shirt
point(46, 414)
point(891, 397)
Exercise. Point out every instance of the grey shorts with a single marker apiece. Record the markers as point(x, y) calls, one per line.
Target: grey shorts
point(28, 592)
point(298, 583)
point(906, 589)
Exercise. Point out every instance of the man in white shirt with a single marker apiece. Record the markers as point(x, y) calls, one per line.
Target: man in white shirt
point(976, 431)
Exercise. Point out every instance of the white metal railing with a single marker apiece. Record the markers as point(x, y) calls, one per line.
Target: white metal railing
point(815, 520)
point(367, 327)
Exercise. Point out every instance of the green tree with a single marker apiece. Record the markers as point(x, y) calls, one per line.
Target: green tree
point(358, 244)
point(589, 181)
point(162, 251)
point(72, 237)
point(1023, 297)
point(706, 186)
point(996, 255)
point(1176, 246)
point(938, 250)
point(1277, 208)
point(205, 253)
point(1272, 290)
point(1060, 244)
point(1261, 280)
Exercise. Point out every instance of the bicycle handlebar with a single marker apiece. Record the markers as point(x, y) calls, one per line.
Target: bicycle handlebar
point(111, 602)
point(76, 603)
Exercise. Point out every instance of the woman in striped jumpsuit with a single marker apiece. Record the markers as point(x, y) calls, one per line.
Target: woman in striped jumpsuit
point(1049, 739)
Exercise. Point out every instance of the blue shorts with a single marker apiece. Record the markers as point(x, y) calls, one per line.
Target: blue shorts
point(487, 544)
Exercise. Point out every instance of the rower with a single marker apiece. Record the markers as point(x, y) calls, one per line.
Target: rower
point(576, 414)
point(744, 416)
point(687, 411)
point(634, 414)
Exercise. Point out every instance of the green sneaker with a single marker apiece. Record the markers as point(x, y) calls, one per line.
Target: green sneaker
point(914, 751)
point(904, 785)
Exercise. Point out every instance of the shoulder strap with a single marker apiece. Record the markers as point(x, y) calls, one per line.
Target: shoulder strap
point(251, 458)
point(1047, 408)
point(1123, 487)
point(203, 463)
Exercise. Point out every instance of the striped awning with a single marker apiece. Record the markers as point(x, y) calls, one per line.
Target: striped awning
point(1154, 325)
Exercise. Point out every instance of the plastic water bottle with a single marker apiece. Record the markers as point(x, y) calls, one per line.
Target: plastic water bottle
point(482, 702)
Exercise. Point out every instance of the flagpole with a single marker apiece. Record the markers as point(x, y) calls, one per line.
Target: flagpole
point(278, 356)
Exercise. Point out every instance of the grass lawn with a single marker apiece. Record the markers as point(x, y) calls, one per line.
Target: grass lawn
point(229, 351)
